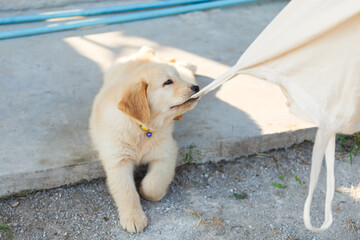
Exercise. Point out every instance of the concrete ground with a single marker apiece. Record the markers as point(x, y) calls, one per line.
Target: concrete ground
point(86, 211)
point(48, 83)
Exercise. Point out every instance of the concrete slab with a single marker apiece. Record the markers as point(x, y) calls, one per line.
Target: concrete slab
point(48, 82)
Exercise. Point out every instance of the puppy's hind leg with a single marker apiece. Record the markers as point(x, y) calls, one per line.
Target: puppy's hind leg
point(160, 174)
point(121, 184)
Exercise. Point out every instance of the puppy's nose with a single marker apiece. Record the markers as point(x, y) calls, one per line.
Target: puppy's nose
point(195, 88)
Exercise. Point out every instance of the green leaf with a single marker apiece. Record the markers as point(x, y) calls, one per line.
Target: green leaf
point(282, 177)
point(94, 208)
point(278, 185)
point(354, 140)
point(6, 229)
point(193, 155)
point(341, 141)
point(240, 196)
point(298, 180)
point(338, 191)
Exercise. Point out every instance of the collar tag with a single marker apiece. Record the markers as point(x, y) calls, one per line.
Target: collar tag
point(148, 131)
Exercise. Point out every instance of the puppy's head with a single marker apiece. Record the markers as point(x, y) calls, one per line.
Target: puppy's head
point(158, 89)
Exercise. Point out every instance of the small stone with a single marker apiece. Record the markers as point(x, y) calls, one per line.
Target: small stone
point(15, 204)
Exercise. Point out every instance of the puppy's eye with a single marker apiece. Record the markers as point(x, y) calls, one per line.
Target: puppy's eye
point(168, 82)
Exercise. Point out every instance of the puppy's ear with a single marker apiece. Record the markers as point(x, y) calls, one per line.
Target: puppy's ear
point(188, 66)
point(134, 102)
point(178, 118)
point(146, 52)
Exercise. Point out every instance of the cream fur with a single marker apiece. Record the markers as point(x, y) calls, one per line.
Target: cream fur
point(120, 142)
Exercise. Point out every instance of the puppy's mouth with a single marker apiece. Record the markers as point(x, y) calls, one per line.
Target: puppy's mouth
point(188, 102)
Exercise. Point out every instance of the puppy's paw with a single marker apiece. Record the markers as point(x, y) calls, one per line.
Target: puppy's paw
point(133, 221)
point(150, 191)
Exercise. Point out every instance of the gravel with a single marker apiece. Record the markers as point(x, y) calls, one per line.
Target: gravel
point(86, 211)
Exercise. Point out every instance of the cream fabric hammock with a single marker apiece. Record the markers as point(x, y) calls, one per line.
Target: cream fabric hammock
point(312, 51)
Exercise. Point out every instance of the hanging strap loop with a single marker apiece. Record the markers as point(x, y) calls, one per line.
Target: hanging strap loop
point(324, 145)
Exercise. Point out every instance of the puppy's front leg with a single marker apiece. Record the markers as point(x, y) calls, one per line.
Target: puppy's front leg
point(160, 174)
point(121, 184)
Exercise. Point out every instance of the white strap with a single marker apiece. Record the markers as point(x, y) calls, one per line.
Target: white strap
point(324, 145)
point(232, 72)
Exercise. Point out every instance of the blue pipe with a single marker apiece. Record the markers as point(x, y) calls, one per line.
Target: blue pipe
point(95, 11)
point(120, 18)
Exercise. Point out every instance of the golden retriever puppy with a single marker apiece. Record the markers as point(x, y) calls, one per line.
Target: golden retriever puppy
point(132, 123)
